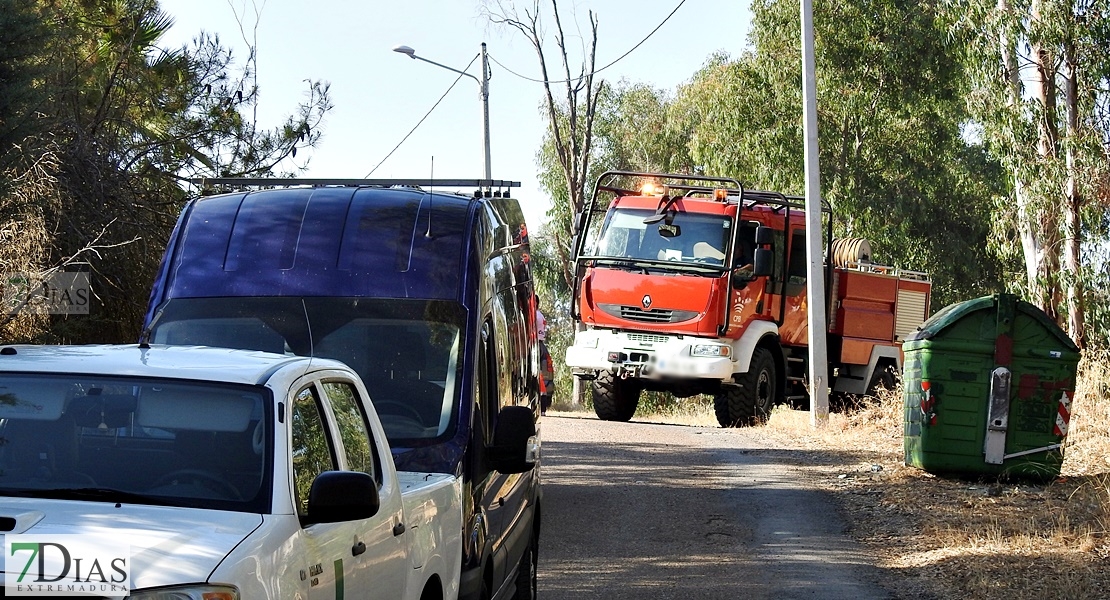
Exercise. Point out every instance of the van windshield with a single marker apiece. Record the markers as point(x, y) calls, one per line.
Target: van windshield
point(407, 352)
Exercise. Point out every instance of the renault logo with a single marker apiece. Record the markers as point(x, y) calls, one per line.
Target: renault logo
point(646, 301)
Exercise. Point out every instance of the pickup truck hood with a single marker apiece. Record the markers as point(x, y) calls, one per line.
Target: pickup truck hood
point(169, 545)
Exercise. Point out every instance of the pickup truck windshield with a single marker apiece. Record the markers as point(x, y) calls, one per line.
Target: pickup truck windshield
point(131, 440)
point(688, 238)
point(407, 352)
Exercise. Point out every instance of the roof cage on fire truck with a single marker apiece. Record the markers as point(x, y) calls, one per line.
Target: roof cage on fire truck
point(726, 189)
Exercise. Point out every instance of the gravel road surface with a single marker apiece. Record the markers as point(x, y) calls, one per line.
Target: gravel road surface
point(642, 510)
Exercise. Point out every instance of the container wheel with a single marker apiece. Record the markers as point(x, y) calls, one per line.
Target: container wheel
point(615, 399)
point(751, 402)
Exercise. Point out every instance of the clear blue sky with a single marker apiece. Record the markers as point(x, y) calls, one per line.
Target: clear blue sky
point(380, 95)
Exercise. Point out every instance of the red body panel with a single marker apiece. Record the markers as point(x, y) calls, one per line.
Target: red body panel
point(605, 289)
point(866, 305)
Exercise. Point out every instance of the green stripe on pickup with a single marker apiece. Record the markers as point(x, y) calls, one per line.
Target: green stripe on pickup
point(338, 579)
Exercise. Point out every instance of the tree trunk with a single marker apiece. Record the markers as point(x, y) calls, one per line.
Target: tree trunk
point(1041, 215)
point(1073, 203)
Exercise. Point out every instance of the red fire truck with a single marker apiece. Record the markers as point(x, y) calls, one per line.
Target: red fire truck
point(696, 285)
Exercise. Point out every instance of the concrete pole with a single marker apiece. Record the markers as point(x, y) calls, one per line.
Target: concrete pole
point(815, 249)
point(485, 108)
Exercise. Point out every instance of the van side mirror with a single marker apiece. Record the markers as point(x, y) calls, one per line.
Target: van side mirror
point(516, 447)
point(764, 262)
point(338, 496)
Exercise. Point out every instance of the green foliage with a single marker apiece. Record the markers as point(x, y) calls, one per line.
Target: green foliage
point(22, 32)
point(1037, 74)
point(895, 161)
point(891, 116)
point(103, 124)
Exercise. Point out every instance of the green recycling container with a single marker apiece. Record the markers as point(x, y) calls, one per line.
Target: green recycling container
point(988, 385)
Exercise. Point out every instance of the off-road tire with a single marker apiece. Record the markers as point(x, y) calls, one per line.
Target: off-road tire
point(615, 399)
point(884, 377)
point(751, 402)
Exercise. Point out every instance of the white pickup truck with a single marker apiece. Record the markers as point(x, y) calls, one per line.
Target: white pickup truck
point(225, 474)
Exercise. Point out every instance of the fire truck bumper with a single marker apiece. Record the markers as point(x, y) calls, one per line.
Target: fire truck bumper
point(649, 356)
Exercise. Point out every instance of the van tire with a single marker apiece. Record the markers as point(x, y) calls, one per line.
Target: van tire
point(615, 398)
point(751, 402)
point(526, 575)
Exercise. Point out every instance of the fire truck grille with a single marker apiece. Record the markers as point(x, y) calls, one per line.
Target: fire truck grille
point(647, 337)
point(635, 313)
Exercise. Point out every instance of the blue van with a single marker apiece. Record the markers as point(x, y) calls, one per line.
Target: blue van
point(428, 296)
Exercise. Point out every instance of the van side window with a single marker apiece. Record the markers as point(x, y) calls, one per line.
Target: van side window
point(350, 419)
point(311, 449)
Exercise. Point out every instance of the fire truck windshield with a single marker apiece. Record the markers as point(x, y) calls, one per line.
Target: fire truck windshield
point(687, 238)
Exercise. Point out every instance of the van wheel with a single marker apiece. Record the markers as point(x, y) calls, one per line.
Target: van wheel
point(615, 399)
point(526, 574)
point(751, 402)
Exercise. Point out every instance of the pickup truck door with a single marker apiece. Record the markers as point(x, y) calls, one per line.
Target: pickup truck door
point(377, 563)
point(351, 559)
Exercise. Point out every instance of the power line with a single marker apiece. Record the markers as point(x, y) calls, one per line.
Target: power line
point(619, 58)
point(414, 127)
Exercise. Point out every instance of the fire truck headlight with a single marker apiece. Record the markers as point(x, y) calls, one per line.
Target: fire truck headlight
point(714, 350)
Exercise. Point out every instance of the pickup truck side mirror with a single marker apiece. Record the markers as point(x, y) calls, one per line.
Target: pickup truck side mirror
point(342, 496)
point(516, 447)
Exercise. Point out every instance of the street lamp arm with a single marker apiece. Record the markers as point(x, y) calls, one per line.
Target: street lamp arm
point(409, 52)
point(446, 67)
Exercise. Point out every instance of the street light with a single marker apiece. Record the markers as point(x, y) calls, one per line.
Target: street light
point(483, 82)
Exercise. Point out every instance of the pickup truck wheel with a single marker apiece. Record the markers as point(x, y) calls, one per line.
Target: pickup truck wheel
point(615, 399)
point(526, 574)
point(751, 402)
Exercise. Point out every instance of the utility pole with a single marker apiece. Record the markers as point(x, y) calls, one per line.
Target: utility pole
point(815, 249)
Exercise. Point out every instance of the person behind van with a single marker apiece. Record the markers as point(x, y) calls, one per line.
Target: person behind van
point(547, 370)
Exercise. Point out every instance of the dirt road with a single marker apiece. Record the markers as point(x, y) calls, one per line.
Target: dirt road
point(640, 510)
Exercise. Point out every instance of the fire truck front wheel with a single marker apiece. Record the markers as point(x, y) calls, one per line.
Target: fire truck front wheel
point(615, 398)
point(751, 402)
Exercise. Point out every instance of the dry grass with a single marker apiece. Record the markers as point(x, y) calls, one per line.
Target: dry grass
point(955, 537)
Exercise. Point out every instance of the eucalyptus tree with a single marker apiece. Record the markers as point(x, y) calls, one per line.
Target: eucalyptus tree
point(1040, 75)
point(895, 163)
point(117, 122)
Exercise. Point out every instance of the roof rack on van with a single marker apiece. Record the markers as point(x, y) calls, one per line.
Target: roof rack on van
point(269, 182)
